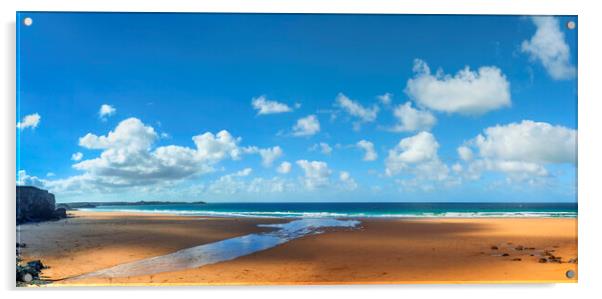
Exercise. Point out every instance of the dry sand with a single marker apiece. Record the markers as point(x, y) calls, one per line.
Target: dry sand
point(433, 250)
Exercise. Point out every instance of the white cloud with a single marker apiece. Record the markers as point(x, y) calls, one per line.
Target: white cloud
point(270, 185)
point(285, 167)
point(236, 183)
point(50, 174)
point(548, 46)
point(465, 153)
point(370, 154)
point(317, 173)
point(129, 160)
point(77, 156)
point(242, 173)
point(468, 92)
point(537, 142)
point(105, 111)
point(323, 147)
point(29, 121)
point(519, 170)
point(385, 98)
point(356, 110)
point(265, 106)
point(344, 176)
point(411, 119)
point(215, 148)
point(229, 183)
point(457, 167)
point(522, 150)
point(23, 179)
point(306, 126)
point(347, 182)
point(268, 155)
point(417, 155)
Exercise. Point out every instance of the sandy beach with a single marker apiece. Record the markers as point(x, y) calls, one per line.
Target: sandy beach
point(395, 250)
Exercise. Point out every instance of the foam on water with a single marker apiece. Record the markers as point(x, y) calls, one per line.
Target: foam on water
point(291, 214)
point(225, 250)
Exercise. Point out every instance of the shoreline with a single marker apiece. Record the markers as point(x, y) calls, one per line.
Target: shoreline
point(382, 251)
point(228, 215)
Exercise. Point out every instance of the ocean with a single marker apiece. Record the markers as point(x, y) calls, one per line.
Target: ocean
point(356, 210)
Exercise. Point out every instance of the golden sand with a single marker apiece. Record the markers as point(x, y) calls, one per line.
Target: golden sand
point(433, 250)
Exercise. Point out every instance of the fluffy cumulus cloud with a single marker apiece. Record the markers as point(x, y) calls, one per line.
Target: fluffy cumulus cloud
point(306, 126)
point(268, 155)
point(316, 174)
point(412, 120)
point(346, 181)
point(368, 148)
point(77, 156)
point(284, 167)
point(129, 159)
point(548, 46)
point(521, 149)
point(105, 111)
point(265, 106)
point(468, 92)
point(323, 147)
point(356, 110)
point(465, 153)
point(230, 183)
point(29, 121)
point(385, 99)
point(23, 179)
point(417, 155)
point(240, 183)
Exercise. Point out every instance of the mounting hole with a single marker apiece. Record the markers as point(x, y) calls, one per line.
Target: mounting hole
point(27, 21)
point(571, 25)
point(570, 274)
point(27, 277)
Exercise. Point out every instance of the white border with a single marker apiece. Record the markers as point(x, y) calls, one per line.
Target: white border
point(590, 125)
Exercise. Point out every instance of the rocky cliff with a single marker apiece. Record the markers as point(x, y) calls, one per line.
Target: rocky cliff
point(34, 204)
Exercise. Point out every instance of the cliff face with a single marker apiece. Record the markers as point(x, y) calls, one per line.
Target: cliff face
point(34, 204)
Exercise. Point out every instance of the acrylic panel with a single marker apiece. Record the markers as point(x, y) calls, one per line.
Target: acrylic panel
point(254, 149)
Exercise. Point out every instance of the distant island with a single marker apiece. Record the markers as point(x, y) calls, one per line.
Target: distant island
point(89, 205)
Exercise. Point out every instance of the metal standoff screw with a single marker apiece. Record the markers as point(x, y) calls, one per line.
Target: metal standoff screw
point(571, 25)
point(570, 274)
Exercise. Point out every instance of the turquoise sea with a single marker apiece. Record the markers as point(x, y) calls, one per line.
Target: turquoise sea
point(380, 209)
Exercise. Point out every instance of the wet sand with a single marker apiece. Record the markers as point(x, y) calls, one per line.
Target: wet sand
point(430, 250)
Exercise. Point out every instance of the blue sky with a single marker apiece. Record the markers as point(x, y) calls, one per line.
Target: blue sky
point(417, 88)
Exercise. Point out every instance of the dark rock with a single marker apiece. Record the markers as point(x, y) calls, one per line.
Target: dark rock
point(543, 260)
point(494, 248)
point(519, 247)
point(60, 213)
point(36, 265)
point(64, 206)
point(573, 261)
point(28, 273)
point(21, 245)
point(516, 259)
point(505, 254)
point(34, 204)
